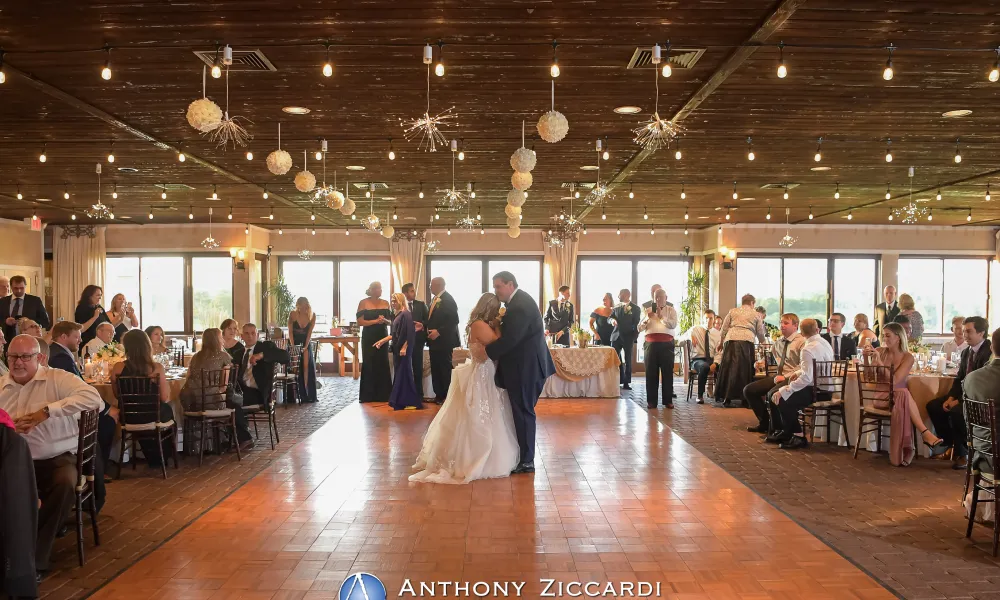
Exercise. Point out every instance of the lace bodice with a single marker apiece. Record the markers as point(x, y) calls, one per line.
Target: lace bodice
point(473, 349)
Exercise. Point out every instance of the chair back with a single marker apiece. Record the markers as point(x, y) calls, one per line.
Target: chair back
point(139, 400)
point(282, 343)
point(875, 386)
point(981, 417)
point(687, 349)
point(294, 359)
point(86, 450)
point(830, 376)
point(214, 388)
point(272, 396)
point(762, 351)
point(177, 355)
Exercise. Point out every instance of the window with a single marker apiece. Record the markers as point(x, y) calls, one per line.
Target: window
point(854, 289)
point(670, 274)
point(314, 280)
point(598, 277)
point(122, 277)
point(805, 289)
point(161, 288)
point(964, 289)
point(762, 278)
point(212, 291)
point(355, 277)
point(944, 288)
point(528, 273)
point(464, 281)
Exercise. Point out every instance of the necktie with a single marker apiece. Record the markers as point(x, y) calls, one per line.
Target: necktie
point(784, 351)
point(17, 308)
point(971, 367)
point(708, 338)
point(410, 304)
point(836, 346)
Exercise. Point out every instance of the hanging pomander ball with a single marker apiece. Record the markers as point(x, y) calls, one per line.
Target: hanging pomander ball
point(553, 126)
point(513, 232)
point(334, 200)
point(523, 160)
point(305, 181)
point(521, 181)
point(387, 232)
point(204, 115)
point(279, 162)
point(512, 211)
point(348, 207)
point(513, 221)
point(515, 197)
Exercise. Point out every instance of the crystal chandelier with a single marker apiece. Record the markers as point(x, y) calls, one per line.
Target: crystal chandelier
point(209, 243)
point(601, 192)
point(305, 254)
point(99, 210)
point(432, 246)
point(788, 241)
point(564, 228)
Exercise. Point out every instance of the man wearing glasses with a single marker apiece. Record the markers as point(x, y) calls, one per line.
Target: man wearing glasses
point(44, 404)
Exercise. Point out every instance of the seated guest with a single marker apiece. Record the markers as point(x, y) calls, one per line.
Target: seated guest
point(982, 385)
point(660, 325)
point(256, 371)
point(559, 316)
point(26, 326)
point(45, 404)
point(862, 334)
point(139, 363)
point(213, 357)
point(904, 322)
point(157, 340)
point(3, 356)
point(946, 412)
point(43, 351)
point(704, 343)
point(906, 308)
point(734, 363)
point(599, 321)
point(786, 353)
point(844, 347)
point(105, 336)
point(718, 323)
point(231, 342)
point(797, 393)
point(122, 316)
point(277, 333)
point(957, 343)
point(89, 312)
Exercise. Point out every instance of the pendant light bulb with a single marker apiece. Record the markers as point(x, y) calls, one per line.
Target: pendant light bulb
point(230, 217)
point(163, 194)
point(836, 194)
point(988, 197)
point(938, 197)
point(728, 215)
point(887, 73)
point(246, 230)
point(850, 215)
point(618, 230)
point(216, 71)
point(994, 75)
point(392, 153)
point(249, 155)
point(66, 194)
point(677, 149)
point(312, 216)
point(888, 194)
point(683, 194)
point(686, 216)
point(735, 195)
point(20, 196)
point(969, 216)
point(265, 194)
point(181, 157)
point(888, 151)
point(785, 195)
point(319, 155)
point(958, 153)
point(111, 153)
point(106, 71)
point(328, 66)
point(554, 69)
point(151, 214)
point(890, 214)
point(215, 193)
point(439, 67)
point(421, 194)
point(782, 69)
point(191, 214)
point(810, 212)
point(818, 156)
point(930, 214)
point(114, 192)
point(42, 157)
point(645, 215)
point(631, 194)
point(73, 216)
point(750, 153)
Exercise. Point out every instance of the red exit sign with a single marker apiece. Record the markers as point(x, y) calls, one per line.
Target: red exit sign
point(36, 224)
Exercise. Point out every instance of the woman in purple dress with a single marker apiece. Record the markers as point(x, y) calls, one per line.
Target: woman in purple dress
point(404, 391)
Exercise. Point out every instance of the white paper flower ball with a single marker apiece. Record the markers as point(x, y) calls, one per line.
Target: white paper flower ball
point(305, 181)
point(279, 162)
point(513, 221)
point(521, 181)
point(553, 126)
point(513, 232)
point(334, 200)
point(523, 160)
point(204, 115)
point(387, 231)
point(512, 211)
point(348, 207)
point(515, 197)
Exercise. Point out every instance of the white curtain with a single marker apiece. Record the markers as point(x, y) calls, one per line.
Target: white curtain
point(78, 259)
point(560, 268)
point(407, 258)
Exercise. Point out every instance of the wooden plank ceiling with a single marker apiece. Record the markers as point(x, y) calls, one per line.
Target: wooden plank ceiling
point(497, 56)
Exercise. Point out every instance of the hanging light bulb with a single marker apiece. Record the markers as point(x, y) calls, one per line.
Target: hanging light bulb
point(683, 195)
point(735, 195)
point(111, 153)
point(685, 230)
point(686, 216)
point(887, 73)
point(645, 215)
point(394, 215)
point(938, 197)
point(782, 69)
point(249, 155)
point(313, 231)
point(888, 151)
point(347, 231)
point(230, 213)
point(66, 193)
point(461, 149)
point(554, 69)
point(994, 75)
point(181, 157)
point(479, 216)
point(606, 154)
point(631, 194)
point(969, 217)
point(988, 197)
point(728, 215)
point(271, 215)
point(449, 231)
point(618, 230)
point(604, 217)
point(850, 215)
point(437, 216)
point(327, 66)
point(421, 194)
point(150, 214)
point(42, 157)
point(525, 194)
point(265, 194)
point(836, 193)
point(958, 153)
point(930, 214)
point(652, 229)
point(312, 216)
point(888, 194)
point(472, 190)
point(114, 192)
point(818, 156)
point(677, 149)
point(482, 230)
point(20, 196)
point(785, 195)
point(280, 230)
point(191, 213)
point(3, 75)
point(584, 230)
point(890, 214)
point(215, 192)
point(810, 212)
point(111, 212)
point(666, 70)
point(750, 153)
point(768, 217)
point(576, 193)
point(163, 193)
point(439, 67)
point(106, 71)
point(392, 153)
point(246, 230)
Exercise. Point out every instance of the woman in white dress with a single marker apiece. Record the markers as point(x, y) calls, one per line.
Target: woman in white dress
point(472, 436)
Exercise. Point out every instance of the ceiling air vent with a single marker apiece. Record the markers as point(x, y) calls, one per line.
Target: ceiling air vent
point(243, 60)
point(680, 58)
point(779, 186)
point(176, 187)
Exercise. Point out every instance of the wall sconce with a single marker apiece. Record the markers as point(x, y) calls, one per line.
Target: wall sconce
point(728, 257)
point(238, 256)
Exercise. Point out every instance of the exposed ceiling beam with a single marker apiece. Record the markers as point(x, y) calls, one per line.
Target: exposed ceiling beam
point(775, 18)
point(94, 111)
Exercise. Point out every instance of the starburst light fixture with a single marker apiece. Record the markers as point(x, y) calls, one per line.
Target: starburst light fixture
point(99, 210)
point(229, 129)
point(655, 133)
point(453, 199)
point(426, 127)
point(788, 241)
point(209, 243)
point(305, 254)
point(601, 192)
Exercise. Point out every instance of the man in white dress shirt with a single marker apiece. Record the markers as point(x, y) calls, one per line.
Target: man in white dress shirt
point(105, 335)
point(660, 326)
point(44, 404)
point(958, 343)
point(705, 340)
point(797, 394)
point(786, 355)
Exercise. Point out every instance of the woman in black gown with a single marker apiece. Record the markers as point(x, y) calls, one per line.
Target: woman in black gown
point(89, 313)
point(599, 322)
point(374, 316)
point(301, 323)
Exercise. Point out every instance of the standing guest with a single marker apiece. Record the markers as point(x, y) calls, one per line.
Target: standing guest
point(301, 323)
point(139, 363)
point(157, 339)
point(559, 316)
point(122, 316)
point(256, 370)
point(45, 404)
point(231, 342)
point(600, 323)
point(626, 317)
point(946, 412)
point(18, 305)
point(734, 364)
point(660, 325)
point(652, 297)
point(957, 343)
point(862, 335)
point(4, 286)
point(885, 312)
point(798, 391)
point(404, 391)
point(419, 312)
point(26, 326)
point(442, 337)
point(906, 308)
point(89, 312)
point(844, 347)
point(374, 317)
point(787, 355)
point(705, 341)
point(105, 336)
point(213, 357)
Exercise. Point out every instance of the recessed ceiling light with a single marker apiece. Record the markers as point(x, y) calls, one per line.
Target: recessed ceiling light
point(266, 217)
point(124, 217)
point(820, 168)
point(43, 200)
point(127, 170)
point(628, 110)
point(296, 110)
point(956, 113)
point(923, 199)
point(354, 168)
point(748, 199)
point(589, 168)
point(703, 217)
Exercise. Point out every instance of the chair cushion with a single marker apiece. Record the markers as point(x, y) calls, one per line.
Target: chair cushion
point(221, 412)
point(134, 427)
point(878, 412)
point(828, 404)
point(253, 407)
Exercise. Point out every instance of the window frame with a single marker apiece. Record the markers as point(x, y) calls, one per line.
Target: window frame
point(484, 259)
point(942, 259)
point(335, 262)
point(635, 259)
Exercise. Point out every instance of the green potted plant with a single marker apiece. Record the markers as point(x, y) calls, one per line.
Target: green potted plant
point(282, 298)
point(695, 303)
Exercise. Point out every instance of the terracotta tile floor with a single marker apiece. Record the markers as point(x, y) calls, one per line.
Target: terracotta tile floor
point(618, 497)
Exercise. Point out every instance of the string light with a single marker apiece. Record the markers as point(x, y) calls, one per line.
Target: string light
point(604, 217)
point(677, 149)
point(994, 75)
point(106, 71)
point(890, 214)
point(449, 231)
point(666, 70)
point(631, 194)
point(111, 212)
point(888, 194)
point(836, 194)
point(150, 213)
point(888, 150)
point(988, 197)
point(347, 230)
point(785, 195)
point(265, 193)
point(437, 215)
point(930, 215)
point(768, 217)
point(42, 157)
point(439, 67)
point(728, 215)
point(181, 157)
point(850, 215)
point(327, 66)
point(735, 195)
point(479, 216)
point(312, 216)
point(819, 150)
point(314, 231)
point(472, 190)
point(215, 192)
point(271, 215)
point(618, 230)
point(421, 194)
point(782, 69)
point(246, 230)
point(938, 197)
point(810, 212)
point(280, 230)
point(163, 192)
point(685, 230)
point(230, 212)
point(461, 149)
point(584, 230)
point(111, 153)
point(887, 73)
point(652, 230)
point(216, 65)
point(482, 230)
point(394, 215)
point(607, 154)
point(392, 153)
point(750, 153)
point(686, 214)
point(554, 69)
point(191, 214)
point(683, 195)
point(249, 155)
point(645, 215)
point(73, 216)
point(969, 217)
point(20, 196)
point(958, 153)
point(114, 191)
point(66, 193)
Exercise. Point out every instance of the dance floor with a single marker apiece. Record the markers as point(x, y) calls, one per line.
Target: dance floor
point(617, 498)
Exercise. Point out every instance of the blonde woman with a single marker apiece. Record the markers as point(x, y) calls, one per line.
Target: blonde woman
point(472, 436)
point(374, 316)
point(122, 316)
point(906, 308)
point(213, 357)
point(862, 334)
point(301, 323)
point(404, 395)
point(26, 326)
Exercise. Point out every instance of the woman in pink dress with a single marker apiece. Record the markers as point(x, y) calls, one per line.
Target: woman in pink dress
point(893, 353)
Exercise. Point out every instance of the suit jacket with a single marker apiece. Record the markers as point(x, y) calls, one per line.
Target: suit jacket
point(558, 321)
point(32, 307)
point(61, 358)
point(982, 385)
point(263, 371)
point(523, 358)
point(626, 323)
point(19, 518)
point(848, 345)
point(443, 316)
point(884, 315)
point(419, 314)
point(982, 358)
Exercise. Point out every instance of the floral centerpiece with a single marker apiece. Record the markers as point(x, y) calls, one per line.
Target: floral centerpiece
point(111, 353)
point(581, 335)
point(917, 348)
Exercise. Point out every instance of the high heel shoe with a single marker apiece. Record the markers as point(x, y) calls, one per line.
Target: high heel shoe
point(938, 447)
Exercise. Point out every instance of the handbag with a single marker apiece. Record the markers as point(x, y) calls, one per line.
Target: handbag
point(234, 395)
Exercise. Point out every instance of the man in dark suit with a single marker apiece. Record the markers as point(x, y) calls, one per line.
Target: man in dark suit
point(946, 412)
point(442, 337)
point(886, 312)
point(844, 346)
point(627, 317)
point(982, 385)
point(523, 362)
point(20, 304)
point(559, 316)
point(256, 377)
point(419, 312)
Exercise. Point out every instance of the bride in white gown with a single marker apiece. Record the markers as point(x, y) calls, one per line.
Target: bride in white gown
point(472, 436)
